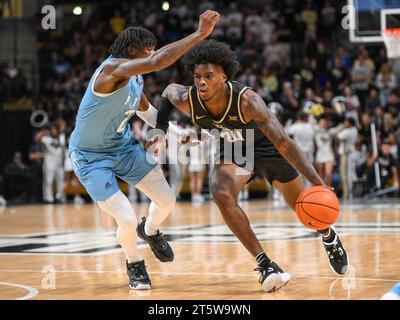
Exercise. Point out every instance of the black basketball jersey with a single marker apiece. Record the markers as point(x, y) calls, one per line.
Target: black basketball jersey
point(232, 126)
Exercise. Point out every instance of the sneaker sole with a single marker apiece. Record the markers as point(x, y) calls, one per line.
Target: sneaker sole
point(141, 286)
point(275, 281)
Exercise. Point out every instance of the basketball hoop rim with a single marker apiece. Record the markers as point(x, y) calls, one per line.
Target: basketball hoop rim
point(394, 32)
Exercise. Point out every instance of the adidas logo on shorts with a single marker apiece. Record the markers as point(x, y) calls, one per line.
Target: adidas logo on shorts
point(108, 185)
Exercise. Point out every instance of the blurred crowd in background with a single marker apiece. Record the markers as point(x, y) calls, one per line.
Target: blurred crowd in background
point(325, 92)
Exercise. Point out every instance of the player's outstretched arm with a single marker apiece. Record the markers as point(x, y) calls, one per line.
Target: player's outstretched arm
point(254, 108)
point(168, 54)
point(174, 96)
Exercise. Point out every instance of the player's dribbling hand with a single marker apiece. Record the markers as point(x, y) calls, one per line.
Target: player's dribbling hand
point(207, 21)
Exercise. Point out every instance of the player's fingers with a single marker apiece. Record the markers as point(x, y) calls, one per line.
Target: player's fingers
point(206, 14)
point(215, 16)
point(149, 143)
point(211, 14)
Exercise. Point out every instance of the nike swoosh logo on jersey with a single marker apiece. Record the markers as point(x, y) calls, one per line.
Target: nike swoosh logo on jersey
point(200, 117)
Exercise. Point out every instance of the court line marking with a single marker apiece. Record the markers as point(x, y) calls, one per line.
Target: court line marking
point(203, 274)
point(185, 241)
point(32, 292)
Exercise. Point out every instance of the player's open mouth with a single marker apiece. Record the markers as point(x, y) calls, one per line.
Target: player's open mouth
point(203, 90)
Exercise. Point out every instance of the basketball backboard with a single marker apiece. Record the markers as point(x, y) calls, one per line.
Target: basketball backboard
point(369, 17)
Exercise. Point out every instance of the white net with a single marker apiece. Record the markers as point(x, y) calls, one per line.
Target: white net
point(391, 38)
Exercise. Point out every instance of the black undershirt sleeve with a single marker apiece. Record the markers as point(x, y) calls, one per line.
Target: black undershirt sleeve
point(165, 109)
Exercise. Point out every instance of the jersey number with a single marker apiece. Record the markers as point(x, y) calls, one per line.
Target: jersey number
point(127, 116)
point(232, 135)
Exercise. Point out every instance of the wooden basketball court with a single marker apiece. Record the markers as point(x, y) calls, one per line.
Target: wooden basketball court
point(70, 252)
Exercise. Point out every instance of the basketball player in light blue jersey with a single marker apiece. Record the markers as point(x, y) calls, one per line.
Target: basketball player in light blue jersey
point(102, 146)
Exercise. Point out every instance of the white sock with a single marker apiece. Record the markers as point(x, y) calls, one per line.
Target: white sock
point(119, 207)
point(149, 228)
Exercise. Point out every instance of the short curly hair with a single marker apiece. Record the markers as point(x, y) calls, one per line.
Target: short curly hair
point(137, 38)
point(211, 51)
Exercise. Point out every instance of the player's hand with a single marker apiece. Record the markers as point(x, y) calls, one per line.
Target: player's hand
point(328, 187)
point(152, 145)
point(207, 22)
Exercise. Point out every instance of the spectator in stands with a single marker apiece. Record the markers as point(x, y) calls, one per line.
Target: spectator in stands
point(386, 82)
point(309, 101)
point(117, 23)
point(365, 129)
point(53, 167)
point(269, 80)
point(249, 51)
point(303, 134)
point(327, 19)
point(322, 63)
point(361, 75)
point(352, 104)
point(387, 167)
point(310, 18)
point(344, 57)
point(393, 103)
point(266, 30)
point(379, 119)
point(17, 179)
point(253, 23)
point(234, 21)
point(338, 76)
point(289, 102)
point(36, 155)
point(248, 78)
point(325, 156)
point(274, 56)
point(372, 101)
point(298, 29)
point(347, 139)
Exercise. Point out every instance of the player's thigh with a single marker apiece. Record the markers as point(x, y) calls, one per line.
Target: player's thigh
point(96, 176)
point(227, 180)
point(280, 173)
point(290, 190)
point(134, 165)
point(155, 186)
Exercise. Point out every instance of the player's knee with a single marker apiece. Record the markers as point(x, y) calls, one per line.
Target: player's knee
point(127, 220)
point(119, 207)
point(166, 200)
point(223, 197)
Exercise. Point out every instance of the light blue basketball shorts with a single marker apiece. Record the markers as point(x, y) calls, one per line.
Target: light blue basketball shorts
point(98, 171)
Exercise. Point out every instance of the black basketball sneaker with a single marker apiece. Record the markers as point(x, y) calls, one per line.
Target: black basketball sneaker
point(272, 278)
point(338, 259)
point(162, 250)
point(138, 277)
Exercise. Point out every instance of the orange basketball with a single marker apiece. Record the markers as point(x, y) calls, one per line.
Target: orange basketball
point(317, 207)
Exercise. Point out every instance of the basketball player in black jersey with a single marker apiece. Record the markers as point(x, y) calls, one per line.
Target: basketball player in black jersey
point(217, 102)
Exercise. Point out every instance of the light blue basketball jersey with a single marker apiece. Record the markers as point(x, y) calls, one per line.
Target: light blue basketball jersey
point(102, 119)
